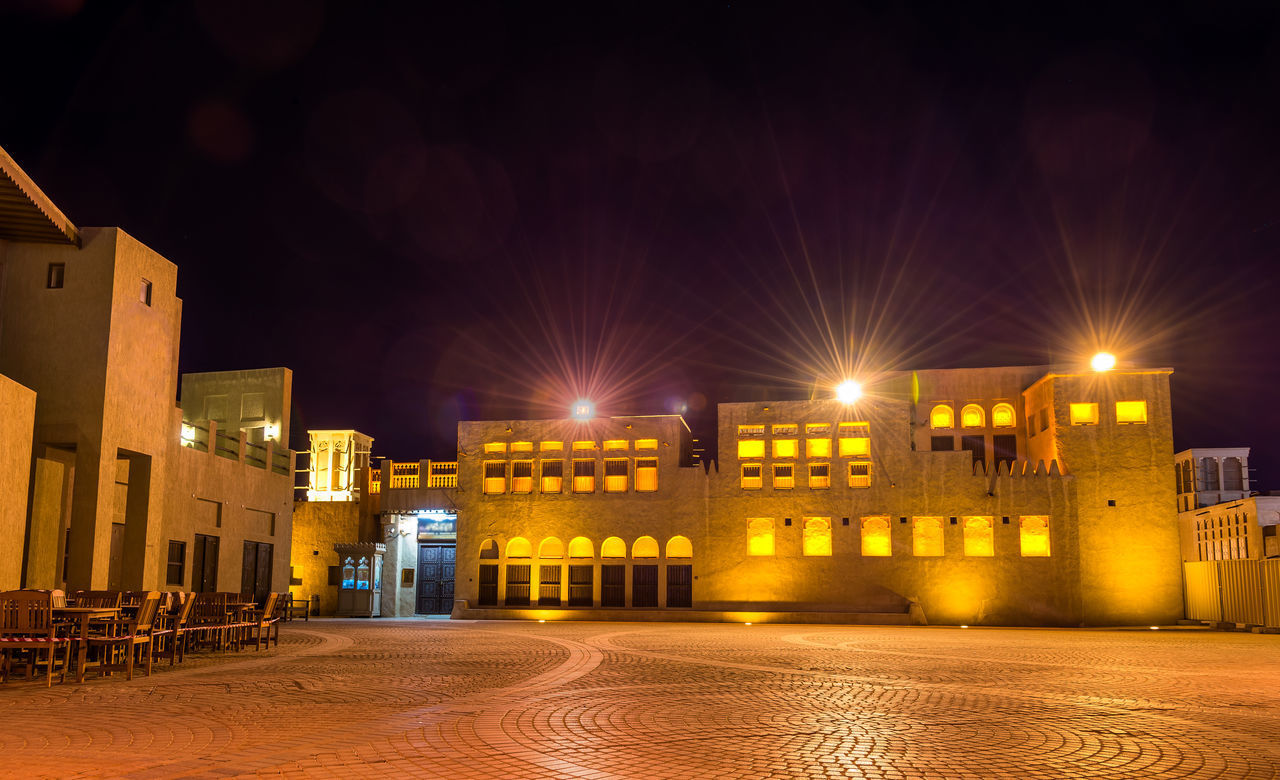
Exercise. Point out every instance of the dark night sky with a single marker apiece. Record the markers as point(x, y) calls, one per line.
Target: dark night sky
point(434, 212)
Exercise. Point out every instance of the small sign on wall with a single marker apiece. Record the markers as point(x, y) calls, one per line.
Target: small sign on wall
point(406, 577)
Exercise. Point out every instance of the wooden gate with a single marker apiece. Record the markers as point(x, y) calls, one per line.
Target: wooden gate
point(435, 579)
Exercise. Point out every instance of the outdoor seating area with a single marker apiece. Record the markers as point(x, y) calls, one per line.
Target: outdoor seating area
point(46, 633)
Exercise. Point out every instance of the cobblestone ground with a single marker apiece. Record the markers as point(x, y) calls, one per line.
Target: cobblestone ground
point(492, 699)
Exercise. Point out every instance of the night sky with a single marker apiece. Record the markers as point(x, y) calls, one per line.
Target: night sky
point(433, 213)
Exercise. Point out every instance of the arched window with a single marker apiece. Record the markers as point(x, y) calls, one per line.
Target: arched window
point(1187, 487)
point(519, 547)
point(971, 416)
point(926, 536)
point(1034, 533)
point(817, 536)
point(679, 547)
point(645, 547)
point(760, 536)
point(978, 538)
point(1002, 416)
point(551, 547)
point(1209, 473)
point(489, 549)
point(942, 416)
point(580, 547)
point(1177, 477)
point(875, 536)
point(1232, 474)
point(613, 547)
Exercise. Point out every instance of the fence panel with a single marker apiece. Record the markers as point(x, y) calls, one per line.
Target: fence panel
point(1271, 587)
point(1202, 590)
point(1241, 591)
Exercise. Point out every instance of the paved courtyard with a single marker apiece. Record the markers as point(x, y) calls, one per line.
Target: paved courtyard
point(432, 698)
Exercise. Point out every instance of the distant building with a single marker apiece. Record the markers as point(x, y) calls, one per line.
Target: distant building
point(127, 490)
point(1220, 518)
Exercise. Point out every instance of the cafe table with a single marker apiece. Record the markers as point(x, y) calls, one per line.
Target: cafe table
point(85, 617)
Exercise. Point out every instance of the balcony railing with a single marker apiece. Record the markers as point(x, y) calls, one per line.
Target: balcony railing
point(404, 475)
point(442, 475)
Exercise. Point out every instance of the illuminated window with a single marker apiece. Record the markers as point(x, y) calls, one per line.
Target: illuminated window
point(784, 476)
point(1002, 416)
point(875, 537)
point(613, 547)
point(615, 444)
point(817, 429)
point(817, 448)
point(859, 475)
point(750, 430)
point(751, 476)
point(615, 475)
point(760, 536)
point(786, 448)
point(1034, 535)
point(817, 536)
point(551, 547)
point(926, 536)
point(971, 416)
point(584, 476)
point(582, 446)
point(942, 417)
point(489, 549)
point(751, 448)
point(552, 476)
point(1084, 414)
point(551, 446)
point(978, 537)
point(495, 448)
point(855, 440)
point(580, 547)
point(495, 476)
point(522, 446)
point(679, 547)
point(819, 475)
point(1130, 412)
point(645, 547)
point(786, 429)
point(521, 476)
point(646, 444)
point(646, 475)
point(519, 547)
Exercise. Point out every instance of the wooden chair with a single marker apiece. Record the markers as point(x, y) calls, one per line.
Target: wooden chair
point(297, 607)
point(130, 635)
point(26, 626)
point(98, 598)
point(175, 633)
point(209, 621)
point(264, 619)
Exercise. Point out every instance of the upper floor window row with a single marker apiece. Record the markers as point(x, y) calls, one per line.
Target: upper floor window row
point(1127, 413)
point(972, 416)
point(517, 476)
point(609, 445)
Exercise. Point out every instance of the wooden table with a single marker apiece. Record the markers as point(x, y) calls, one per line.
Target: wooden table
point(85, 615)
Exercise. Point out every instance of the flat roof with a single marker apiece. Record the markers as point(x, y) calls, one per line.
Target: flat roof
point(26, 213)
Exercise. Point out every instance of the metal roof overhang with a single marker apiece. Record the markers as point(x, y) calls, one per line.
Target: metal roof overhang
point(26, 213)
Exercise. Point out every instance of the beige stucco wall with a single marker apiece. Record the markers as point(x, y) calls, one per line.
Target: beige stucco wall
point(17, 422)
point(270, 388)
point(317, 527)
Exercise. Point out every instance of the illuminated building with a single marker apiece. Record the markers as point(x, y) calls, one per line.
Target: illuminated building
point(127, 490)
point(1220, 518)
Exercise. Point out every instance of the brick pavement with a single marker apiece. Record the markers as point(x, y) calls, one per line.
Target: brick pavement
point(597, 700)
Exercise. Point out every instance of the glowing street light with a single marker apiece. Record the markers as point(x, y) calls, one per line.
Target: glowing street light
point(1103, 361)
point(848, 391)
point(582, 410)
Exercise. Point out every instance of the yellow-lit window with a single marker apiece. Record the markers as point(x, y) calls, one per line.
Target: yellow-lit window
point(580, 547)
point(1034, 536)
point(1129, 412)
point(817, 429)
point(875, 537)
point(978, 537)
point(971, 416)
point(751, 476)
point(750, 431)
point(615, 475)
point(819, 475)
point(817, 448)
point(751, 448)
point(926, 536)
point(679, 547)
point(784, 476)
point(786, 448)
point(646, 475)
point(551, 547)
point(817, 536)
point(519, 547)
point(855, 448)
point(521, 476)
point(615, 444)
point(785, 429)
point(942, 416)
point(584, 476)
point(645, 547)
point(495, 448)
point(646, 444)
point(613, 547)
point(551, 446)
point(760, 536)
point(552, 476)
point(859, 475)
point(583, 446)
point(495, 476)
point(1084, 414)
point(522, 446)
point(1002, 416)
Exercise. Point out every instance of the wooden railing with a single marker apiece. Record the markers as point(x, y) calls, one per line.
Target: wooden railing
point(442, 474)
point(404, 475)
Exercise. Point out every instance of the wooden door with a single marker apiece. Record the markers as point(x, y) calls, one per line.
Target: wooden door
point(435, 579)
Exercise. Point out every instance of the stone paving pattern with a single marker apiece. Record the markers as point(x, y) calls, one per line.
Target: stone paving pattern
point(428, 698)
